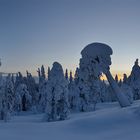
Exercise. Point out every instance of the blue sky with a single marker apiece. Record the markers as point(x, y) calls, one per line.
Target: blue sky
point(36, 32)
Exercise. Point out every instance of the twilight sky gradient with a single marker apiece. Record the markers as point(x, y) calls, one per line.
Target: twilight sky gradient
point(36, 32)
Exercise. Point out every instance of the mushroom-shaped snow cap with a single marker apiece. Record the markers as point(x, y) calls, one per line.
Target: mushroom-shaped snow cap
point(95, 49)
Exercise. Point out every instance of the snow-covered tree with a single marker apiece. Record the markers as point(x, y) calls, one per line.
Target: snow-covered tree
point(9, 92)
point(3, 110)
point(19, 80)
point(43, 75)
point(42, 96)
point(13, 79)
point(96, 57)
point(73, 96)
point(116, 78)
point(23, 98)
point(18, 101)
point(39, 74)
point(57, 95)
point(71, 77)
point(125, 79)
point(134, 80)
point(42, 89)
point(76, 77)
point(32, 88)
point(95, 94)
point(82, 90)
point(66, 74)
point(88, 82)
point(7, 98)
point(49, 73)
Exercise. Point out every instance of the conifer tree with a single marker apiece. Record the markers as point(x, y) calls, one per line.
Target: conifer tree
point(73, 94)
point(116, 78)
point(25, 100)
point(57, 107)
point(7, 99)
point(66, 74)
point(42, 89)
point(43, 73)
point(49, 73)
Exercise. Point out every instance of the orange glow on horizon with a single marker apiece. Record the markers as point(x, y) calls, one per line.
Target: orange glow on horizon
point(119, 73)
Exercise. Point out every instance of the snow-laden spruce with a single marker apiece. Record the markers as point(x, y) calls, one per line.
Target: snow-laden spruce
point(96, 57)
point(6, 98)
point(83, 90)
point(57, 107)
point(3, 111)
point(42, 89)
point(73, 96)
point(32, 86)
point(134, 80)
point(23, 98)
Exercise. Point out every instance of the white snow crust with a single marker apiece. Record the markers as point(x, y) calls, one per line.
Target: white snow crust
point(109, 122)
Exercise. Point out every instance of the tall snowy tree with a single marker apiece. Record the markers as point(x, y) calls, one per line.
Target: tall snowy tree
point(39, 74)
point(32, 88)
point(88, 83)
point(57, 95)
point(49, 73)
point(73, 94)
point(125, 79)
point(9, 92)
point(71, 77)
point(19, 80)
point(116, 78)
point(66, 74)
point(42, 96)
point(43, 75)
point(23, 98)
point(96, 58)
point(3, 109)
point(7, 98)
point(76, 77)
point(42, 89)
point(134, 80)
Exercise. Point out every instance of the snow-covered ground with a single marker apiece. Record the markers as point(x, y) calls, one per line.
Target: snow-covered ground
point(108, 122)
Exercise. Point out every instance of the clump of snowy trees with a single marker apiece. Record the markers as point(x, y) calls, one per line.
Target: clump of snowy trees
point(56, 93)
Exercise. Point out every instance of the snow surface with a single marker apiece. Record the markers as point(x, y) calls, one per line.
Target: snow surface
point(109, 122)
